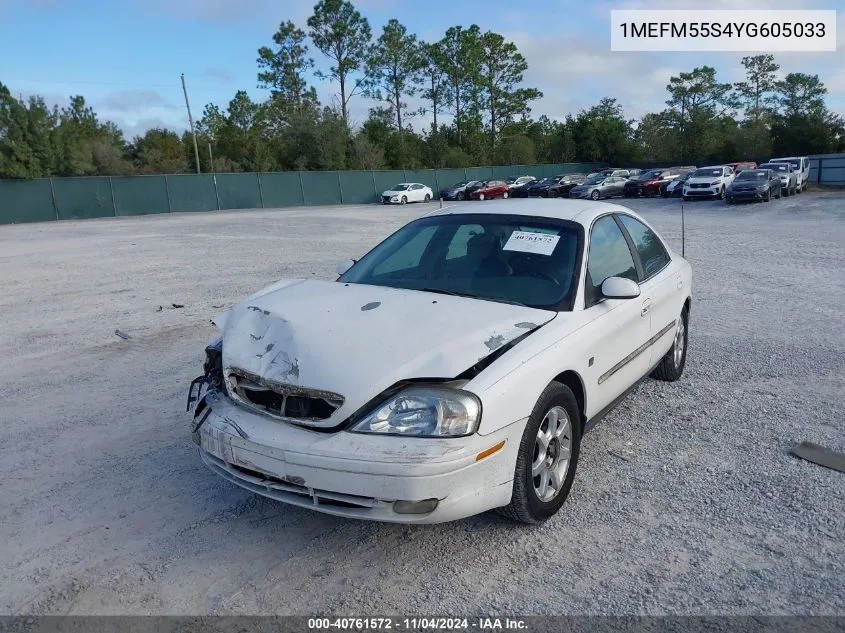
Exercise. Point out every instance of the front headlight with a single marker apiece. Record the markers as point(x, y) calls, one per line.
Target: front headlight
point(715, 183)
point(424, 412)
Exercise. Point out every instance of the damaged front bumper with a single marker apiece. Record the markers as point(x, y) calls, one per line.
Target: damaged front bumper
point(395, 479)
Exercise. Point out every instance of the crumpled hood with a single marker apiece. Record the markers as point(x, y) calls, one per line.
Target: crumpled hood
point(357, 340)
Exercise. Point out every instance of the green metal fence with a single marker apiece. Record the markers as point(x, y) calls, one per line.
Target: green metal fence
point(104, 196)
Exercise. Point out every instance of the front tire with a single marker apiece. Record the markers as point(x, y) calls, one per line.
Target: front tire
point(404, 200)
point(427, 198)
point(671, 366)
point(548, 457)
point(460, 196)
point(505, 195)
point(595, 195)
point(721, 195)
point(481, 196)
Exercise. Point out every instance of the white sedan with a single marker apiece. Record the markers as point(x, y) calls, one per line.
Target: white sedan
point(406, 192)
point(453, 369)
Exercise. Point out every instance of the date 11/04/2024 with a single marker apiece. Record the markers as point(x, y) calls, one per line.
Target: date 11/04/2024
point(416, 624)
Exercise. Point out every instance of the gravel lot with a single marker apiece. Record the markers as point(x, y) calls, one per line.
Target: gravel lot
point(105, 507)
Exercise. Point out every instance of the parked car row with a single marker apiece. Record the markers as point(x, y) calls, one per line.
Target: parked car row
point(793, 173)
point(521, 187)
point(652, 181)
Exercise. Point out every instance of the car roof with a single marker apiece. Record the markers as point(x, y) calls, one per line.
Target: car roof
point(580, 211)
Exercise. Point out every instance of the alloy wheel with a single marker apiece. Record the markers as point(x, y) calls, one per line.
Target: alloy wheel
point(552, 453)
point(680, 342)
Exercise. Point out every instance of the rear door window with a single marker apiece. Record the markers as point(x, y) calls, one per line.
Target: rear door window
point(653, 255)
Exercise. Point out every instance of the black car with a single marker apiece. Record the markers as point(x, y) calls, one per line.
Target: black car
point(540, 188)
point(675, 188)
point(475, 185)
point(458, 191)
point(564, 183)
point(521, 191)
point(754, 184)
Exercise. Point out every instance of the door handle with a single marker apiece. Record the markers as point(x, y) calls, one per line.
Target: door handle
point(646, 307)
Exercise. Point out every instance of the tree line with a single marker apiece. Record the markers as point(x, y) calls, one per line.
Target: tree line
point(477, 107)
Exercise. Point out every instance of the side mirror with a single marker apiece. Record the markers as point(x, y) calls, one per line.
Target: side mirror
point(343, 266)
point(620, 288)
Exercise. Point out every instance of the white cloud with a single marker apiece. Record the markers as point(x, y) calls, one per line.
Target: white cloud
point(134, 101)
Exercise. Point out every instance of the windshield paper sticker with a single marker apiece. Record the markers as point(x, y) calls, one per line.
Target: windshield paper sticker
point(526, 242)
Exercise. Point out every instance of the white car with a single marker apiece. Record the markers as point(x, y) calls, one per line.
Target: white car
point(801, 165)
point(452, 370)
point(406, 192)
point(709, 182)
point(522, 180)
point(788, 176)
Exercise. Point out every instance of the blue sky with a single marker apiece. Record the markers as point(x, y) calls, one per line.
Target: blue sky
point(125, 56)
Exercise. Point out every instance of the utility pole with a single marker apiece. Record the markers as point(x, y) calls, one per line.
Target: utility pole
point(210, 157)
point(191, 121)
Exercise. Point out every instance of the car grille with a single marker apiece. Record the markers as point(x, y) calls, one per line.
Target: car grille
point(385, 198)
point(699, 185)
point(292, 491)
point(291, 403)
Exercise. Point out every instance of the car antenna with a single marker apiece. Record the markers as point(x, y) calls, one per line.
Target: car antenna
point(683, 231)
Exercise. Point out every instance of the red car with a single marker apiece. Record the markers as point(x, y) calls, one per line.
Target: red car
point(742, 166)
point(491, 189)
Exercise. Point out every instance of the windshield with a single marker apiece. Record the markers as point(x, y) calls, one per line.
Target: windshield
point(749, 174)
point(400, 187)
point(525, 260)
point(706, 173)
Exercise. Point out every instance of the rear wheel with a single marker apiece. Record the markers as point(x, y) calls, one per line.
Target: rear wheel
point(548, 457)
point(672, 364)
